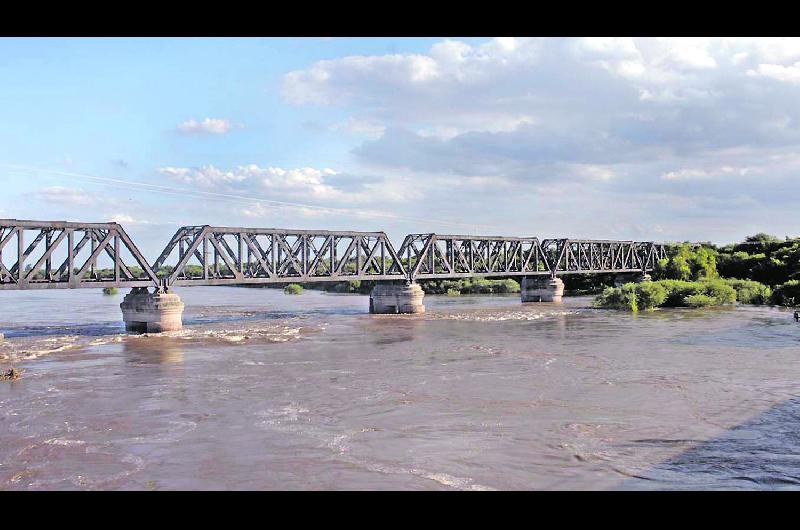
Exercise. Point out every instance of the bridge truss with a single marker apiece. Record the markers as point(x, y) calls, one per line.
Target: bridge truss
point(69, 255)
point(91, 255)
point(448, 256)
point(220, 256)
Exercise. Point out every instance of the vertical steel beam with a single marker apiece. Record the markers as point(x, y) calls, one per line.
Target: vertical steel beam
point(117, 258)
point(49, 262)
point(20, 253)
point(205, 258)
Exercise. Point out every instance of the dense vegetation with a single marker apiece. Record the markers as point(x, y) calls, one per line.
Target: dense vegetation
point(668, 293)
point(761, 270)
point(293, 288)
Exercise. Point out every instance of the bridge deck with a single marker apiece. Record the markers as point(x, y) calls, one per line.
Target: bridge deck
point(58, 255)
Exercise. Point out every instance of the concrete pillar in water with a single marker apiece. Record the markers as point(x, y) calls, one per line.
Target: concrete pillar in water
point(387, 298)
point(538, 289)
point(147, 312)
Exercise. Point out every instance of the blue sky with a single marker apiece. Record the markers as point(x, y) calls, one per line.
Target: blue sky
point(664, 139)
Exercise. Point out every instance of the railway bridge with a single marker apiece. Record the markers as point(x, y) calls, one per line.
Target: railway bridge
point(73, 255)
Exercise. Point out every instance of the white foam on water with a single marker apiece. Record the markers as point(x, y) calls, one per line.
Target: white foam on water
point(288, 413)
point(16, 350)
point(498, 316)
point(275, 333)
point(64, 442)
point(20, 349)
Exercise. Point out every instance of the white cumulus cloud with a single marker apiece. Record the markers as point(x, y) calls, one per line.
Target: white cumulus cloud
point(323, 186)
point(216, 126)
point(66, 196)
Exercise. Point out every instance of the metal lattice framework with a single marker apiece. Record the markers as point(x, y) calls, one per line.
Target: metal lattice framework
point(207, 255)
point(66, 255)
point(223, 256)
point(446, 256)
point(575, 256)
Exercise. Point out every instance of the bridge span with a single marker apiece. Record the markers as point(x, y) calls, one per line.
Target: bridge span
point(60, 254)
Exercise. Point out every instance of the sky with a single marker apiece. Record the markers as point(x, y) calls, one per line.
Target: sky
point(618, 138)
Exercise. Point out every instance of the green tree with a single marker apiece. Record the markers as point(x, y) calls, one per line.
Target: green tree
point(685, 263)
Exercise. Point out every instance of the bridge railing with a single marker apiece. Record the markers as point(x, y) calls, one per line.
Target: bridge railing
point(53, 255)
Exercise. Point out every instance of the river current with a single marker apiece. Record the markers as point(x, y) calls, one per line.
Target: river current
point(263, 390)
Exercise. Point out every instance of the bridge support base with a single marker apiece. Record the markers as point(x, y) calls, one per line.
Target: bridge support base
point(395, 299)
point(535, 289)
point(146, 312)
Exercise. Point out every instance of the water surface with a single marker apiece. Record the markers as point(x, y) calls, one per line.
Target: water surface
point(263, 390)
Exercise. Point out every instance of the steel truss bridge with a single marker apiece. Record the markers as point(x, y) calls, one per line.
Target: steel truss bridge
point(55, 254)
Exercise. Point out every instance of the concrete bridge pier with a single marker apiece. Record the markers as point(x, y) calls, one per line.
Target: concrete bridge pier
point(390, 298)
point(146, 312)
point(541, 289)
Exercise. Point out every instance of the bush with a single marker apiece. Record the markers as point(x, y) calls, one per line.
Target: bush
point(453, 292)
point(110, 290)
point(787, 294)
point(667, 293)
point(293, 288)
point(650, 295)
point(720, 292)
point(750, 292)
point(677, 291)
point(506, 286)
point(619, 298)
point(698, 300)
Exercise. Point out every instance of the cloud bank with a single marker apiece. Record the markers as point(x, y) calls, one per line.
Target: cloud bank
point(676, 124)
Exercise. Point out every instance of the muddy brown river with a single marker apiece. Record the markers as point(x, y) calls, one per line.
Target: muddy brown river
point(263, 390)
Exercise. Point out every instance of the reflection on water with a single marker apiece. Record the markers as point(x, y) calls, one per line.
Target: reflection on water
point(157, 350)
point(266, 391)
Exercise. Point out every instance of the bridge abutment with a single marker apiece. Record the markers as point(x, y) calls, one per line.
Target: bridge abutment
point(146, 312)
point(539, 289)
point(388, 298)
